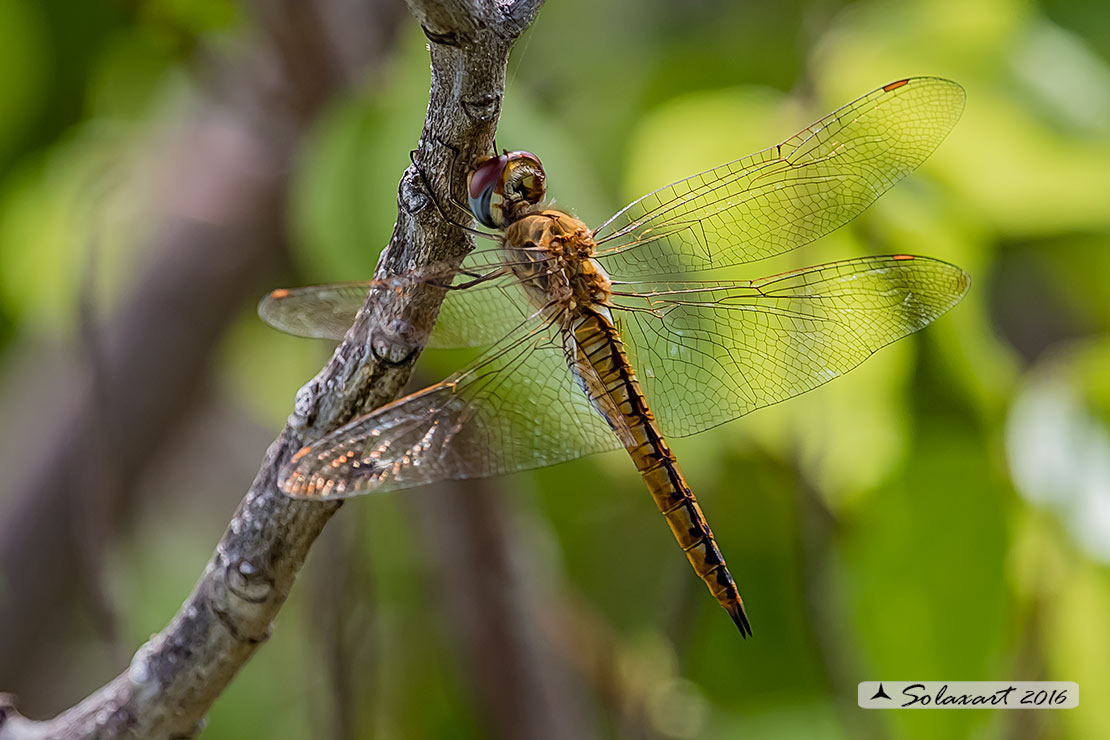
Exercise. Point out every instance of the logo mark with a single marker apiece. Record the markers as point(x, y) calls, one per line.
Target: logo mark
point(880, 694)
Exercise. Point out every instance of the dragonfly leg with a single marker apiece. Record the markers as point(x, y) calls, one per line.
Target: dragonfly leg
point(443, 214)
point(478, 279)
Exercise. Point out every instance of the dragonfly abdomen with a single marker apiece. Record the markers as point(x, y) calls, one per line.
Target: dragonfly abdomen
point(607, 376)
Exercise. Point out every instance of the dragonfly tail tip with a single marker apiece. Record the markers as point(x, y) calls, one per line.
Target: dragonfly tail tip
point(740, 617)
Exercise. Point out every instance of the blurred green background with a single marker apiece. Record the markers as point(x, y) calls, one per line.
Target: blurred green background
point(943, 512)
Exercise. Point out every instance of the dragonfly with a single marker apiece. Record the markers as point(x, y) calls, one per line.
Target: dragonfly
point(598, 340)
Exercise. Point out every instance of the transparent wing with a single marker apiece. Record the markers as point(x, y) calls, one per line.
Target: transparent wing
point(479, 316)
point(476, 316)
point(517, 407)
point(314, 311)
point(781, 198)
point(709, 352)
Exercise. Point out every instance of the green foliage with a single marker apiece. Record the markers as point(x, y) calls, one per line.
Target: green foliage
point(939, 513)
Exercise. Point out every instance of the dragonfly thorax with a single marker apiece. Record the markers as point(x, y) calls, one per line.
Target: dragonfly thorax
point(552, 253)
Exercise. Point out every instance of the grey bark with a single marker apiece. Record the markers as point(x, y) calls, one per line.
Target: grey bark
point(173, 679)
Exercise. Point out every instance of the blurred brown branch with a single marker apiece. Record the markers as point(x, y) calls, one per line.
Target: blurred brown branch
point(237, 196)
point(497, 603)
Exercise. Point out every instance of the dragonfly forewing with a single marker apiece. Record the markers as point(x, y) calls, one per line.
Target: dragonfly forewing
point(476, 316)
point(788, 195)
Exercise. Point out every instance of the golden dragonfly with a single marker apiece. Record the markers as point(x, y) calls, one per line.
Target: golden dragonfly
point(594, 343)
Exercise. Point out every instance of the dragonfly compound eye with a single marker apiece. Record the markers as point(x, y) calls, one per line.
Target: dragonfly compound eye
point(502, 188)
point(524, 181)
point(482, 187)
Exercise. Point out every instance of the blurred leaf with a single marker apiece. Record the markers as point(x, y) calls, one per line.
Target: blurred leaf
point(925, 563)
point(789, 719)
point(1077, 643)
point(344, 199)
point(22, 61)
point(192, 16)
point(1021, 175)
point(129, 75)
point(84, 197)
point(264, 369)
point(1058, 442)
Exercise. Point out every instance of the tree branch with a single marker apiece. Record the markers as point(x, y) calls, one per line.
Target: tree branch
point(174, 678)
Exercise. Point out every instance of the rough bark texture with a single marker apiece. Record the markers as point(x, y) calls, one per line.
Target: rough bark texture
point(173, 679)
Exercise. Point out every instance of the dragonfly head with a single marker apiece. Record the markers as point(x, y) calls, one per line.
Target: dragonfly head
point(501, 188)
